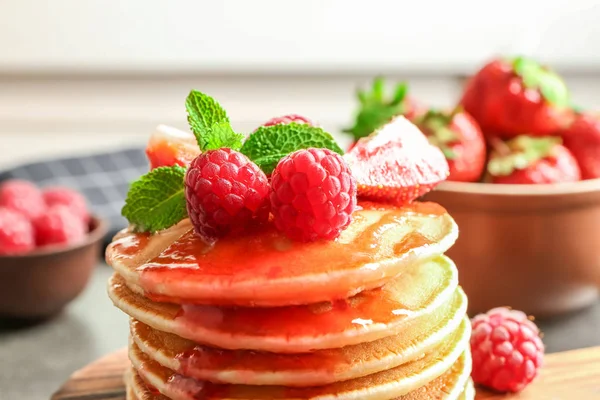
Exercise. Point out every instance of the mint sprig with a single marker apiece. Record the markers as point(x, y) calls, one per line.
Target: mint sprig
point(221, 134)
point(269, 144)
point(209, 123)
point(156, 201)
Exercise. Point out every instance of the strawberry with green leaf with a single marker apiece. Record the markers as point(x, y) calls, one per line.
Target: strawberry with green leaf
point(532, 160)
point(376, 109)
point(508, 97)
point(459, 137)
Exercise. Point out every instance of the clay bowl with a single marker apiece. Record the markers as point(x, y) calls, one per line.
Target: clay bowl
point(39, 284)
point(532, 247)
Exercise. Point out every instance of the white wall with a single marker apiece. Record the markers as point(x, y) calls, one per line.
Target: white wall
point(293, 35)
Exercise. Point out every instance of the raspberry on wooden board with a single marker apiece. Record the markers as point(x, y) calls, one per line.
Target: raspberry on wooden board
point(507, 350)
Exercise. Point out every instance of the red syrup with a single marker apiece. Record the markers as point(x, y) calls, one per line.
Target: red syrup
point(128, 247)
point(200, 359)
point(267, 255)
point(188, 388)
point(151, 388)
point(385, 305)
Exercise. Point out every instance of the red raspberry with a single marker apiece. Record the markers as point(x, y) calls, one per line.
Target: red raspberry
point(507, 350)
point(226, 193)
point(22, 196)
point(59, 225)
point(16, 232)
point(286, 119)
point(313, 195)
point(67, 197)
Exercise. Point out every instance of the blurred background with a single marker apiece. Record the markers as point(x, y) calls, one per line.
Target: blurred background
point(81, 77)
point(84, 75)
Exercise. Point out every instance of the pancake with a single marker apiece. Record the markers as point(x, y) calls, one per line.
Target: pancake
point(366, 317)
point(307, 369)
point(387, 384)
point(130, 394)
point(468, 392)
point(137, 389)
point(266, 269)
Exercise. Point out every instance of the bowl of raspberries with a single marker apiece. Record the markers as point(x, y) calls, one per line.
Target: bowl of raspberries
point(524, 183)
point(49, 245)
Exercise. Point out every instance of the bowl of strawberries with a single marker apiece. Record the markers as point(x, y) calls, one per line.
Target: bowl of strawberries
point(523, 185)
point(49, 245)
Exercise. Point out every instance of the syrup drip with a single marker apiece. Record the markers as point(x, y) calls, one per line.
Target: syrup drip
point(266, 253)
point(391, 303)
point(128, 246)
point(200, 358)
point(194, 358)
point(177, 384)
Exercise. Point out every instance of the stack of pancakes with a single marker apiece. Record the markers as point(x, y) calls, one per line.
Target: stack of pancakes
point(375, 314)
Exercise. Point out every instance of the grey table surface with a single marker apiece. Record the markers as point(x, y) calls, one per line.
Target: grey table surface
point(36, 360)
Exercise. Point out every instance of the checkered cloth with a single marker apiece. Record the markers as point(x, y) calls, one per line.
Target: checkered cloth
point(102, 178)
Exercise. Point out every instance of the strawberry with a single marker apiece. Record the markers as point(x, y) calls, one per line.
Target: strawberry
point(527, 160)
point(169, 146)
point(510, 97)
point(396, 163)
point(375, 110)
point(582, 138)
point(458, 135)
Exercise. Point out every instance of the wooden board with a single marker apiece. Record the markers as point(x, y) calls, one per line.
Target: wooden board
point(565, 376)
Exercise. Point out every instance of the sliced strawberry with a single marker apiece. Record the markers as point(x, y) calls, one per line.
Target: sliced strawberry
point(396, 163)
point(169, 146)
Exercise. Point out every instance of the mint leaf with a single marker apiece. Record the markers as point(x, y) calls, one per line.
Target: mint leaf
point(156, 201)
point(221, 134)
point(269, 144)
point(550, 84)
point(203, 112)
